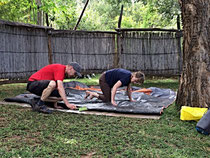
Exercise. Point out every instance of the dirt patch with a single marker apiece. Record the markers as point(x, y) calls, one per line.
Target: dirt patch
point(89, 155)
point(3, 122)
point(208, 148)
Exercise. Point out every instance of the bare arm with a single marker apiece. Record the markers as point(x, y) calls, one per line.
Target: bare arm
point(129, 92)
point(114, 90)
point(62, 93)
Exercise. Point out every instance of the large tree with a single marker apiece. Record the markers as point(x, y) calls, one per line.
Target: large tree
point(194, 88)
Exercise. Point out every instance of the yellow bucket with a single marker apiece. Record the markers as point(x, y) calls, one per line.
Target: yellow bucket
point(192, 113)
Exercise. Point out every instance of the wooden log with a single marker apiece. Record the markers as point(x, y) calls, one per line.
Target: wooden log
point(81, 15)
point(120, 18)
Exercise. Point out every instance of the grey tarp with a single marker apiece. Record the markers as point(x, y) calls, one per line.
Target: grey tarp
point(144, 104)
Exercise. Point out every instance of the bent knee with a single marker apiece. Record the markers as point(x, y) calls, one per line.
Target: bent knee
point(52, 85)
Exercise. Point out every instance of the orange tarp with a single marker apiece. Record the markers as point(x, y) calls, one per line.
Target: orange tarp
point(144, 90)
point(91, 88)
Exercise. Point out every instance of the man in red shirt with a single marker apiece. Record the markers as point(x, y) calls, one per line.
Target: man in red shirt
point(48, 82)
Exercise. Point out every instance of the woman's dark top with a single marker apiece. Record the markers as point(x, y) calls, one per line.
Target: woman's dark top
point(114, 75)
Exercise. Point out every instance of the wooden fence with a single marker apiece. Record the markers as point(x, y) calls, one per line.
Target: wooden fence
point(93, 50)
point(25, 49)
point(153, 53)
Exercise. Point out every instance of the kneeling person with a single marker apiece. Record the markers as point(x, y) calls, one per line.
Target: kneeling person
point(48, 83)
point(111, 80)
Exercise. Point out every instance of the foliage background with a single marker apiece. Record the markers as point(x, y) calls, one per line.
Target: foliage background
point(99, 14)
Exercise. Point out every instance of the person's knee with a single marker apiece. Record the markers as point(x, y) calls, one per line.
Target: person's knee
point(107, 100)
point(52, 85)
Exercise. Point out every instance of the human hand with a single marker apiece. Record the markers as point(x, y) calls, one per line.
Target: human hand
point(71, 106)
point(131, 100)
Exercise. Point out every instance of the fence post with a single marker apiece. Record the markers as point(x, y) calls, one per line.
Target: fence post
point(119, 41)
point(49, 35)
point(117, 51)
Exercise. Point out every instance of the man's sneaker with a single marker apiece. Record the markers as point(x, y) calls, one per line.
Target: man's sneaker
point(34, 105)
point(40, 108)
point(44, 109)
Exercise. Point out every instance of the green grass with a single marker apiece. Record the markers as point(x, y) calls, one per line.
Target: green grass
point(92, 81)
point(24, 133)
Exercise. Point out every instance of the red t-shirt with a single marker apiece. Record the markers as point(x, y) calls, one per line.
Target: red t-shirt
point(50, 72)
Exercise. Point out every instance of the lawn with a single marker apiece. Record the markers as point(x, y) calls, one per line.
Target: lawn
point(28, 134)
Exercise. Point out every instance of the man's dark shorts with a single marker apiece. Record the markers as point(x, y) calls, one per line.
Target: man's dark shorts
point(37, 87)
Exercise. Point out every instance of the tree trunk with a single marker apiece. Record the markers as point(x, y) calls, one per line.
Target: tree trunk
point(194, 86)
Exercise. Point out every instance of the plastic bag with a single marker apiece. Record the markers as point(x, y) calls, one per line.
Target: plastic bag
point(192, 113)
point(203, 126)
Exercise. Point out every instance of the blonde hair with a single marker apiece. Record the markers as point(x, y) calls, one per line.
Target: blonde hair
point(140, 75)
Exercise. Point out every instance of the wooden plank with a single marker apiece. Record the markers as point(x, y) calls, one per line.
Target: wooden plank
point(139, 116)
point(18, 24)
point(146, 29)
point(55, 32)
